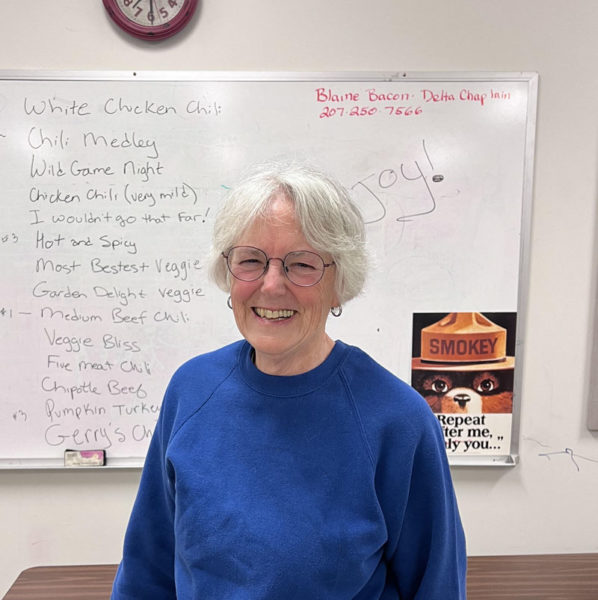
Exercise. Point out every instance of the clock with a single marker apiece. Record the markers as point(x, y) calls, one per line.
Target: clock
point(151, 19)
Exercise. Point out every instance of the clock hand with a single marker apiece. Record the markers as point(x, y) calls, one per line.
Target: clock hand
point(150, 15)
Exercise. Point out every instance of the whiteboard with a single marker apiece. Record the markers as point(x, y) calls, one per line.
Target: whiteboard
point(110, 185)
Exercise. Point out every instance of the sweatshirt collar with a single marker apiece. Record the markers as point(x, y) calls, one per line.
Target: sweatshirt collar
point(288, 386)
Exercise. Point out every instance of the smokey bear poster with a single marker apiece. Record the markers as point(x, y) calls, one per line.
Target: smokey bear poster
point(463, 365)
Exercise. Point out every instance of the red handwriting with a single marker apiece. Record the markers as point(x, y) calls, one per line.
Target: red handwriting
point(369, 111)
point(464, 95)
point(351, 103)
point(365, 104)
point(327, 95)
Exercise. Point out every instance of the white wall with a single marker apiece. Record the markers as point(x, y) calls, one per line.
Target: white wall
point(544, 505)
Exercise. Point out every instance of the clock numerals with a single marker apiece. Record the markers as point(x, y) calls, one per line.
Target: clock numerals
point(151, 19)
point(137, 10)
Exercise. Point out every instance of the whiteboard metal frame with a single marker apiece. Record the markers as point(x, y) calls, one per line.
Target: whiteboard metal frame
point(18, 75)
point(592, 413)
point(531, 78)
point(57, 464)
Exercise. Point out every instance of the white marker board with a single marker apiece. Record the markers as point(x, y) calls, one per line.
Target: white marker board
point(110, 182)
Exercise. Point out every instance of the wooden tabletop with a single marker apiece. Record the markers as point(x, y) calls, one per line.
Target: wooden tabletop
point(542, 577)
point(545, 577)
point(81, 582)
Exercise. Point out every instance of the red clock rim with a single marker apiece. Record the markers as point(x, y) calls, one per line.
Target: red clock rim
point(151, 33)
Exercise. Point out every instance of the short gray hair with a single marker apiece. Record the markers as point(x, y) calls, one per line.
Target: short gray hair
point(330, 220)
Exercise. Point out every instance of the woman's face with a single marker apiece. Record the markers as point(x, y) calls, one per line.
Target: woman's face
point(292, 341)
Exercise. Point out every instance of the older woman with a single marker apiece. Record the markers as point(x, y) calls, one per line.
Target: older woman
point(288, 465)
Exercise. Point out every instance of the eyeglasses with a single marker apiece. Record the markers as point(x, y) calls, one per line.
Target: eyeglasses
point(302, 268)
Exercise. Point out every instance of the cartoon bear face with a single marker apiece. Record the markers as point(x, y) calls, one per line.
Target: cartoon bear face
point(472, 392)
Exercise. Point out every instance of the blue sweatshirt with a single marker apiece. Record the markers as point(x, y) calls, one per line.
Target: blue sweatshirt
point(332, 485)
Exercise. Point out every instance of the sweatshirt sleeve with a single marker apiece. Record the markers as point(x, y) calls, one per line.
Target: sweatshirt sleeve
point(427, 548)
point(146, 571)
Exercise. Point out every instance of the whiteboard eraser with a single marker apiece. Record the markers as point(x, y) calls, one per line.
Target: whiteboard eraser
point(84, 458)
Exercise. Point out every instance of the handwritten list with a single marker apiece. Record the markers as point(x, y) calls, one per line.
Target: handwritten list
point(109, 192)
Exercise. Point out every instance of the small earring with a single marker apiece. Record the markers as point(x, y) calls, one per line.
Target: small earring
point(229, 303)
point(336, 311)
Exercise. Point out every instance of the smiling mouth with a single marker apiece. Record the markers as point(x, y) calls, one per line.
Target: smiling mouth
point(274, 315)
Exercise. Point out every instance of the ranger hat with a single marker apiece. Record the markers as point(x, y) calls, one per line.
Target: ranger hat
point(463, 341)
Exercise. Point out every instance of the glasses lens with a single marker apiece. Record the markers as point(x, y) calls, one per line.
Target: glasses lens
point(246, 263)
point(304, 268)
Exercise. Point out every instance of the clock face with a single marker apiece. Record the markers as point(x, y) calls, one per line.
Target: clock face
point(151, 19)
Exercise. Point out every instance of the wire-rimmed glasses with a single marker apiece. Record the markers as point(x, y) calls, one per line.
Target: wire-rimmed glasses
point(302, 267)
